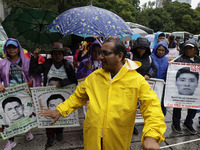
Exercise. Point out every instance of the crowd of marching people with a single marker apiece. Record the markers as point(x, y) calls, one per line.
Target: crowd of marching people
point(109, 69)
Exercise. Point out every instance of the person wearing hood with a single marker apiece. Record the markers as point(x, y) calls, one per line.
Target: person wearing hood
point(57, 72)
point(159, 36)
point(113, 92)
point(161, 61)
point(189, 51)
point(141, 52)
point(14, 69)
point(91, 63)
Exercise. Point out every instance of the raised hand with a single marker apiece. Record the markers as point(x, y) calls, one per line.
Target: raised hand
point(2, 88)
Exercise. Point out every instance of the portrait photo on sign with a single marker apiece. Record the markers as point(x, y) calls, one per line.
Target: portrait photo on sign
point(182, 86)
point(13, 109)
point(50, 98)
point(17, 111)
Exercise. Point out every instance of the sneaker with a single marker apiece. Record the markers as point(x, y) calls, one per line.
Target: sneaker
point(49, 142)
point(29, 136)
point(198, 119)
point(190, 129)
point(10, 145)
point(177, 128)
point(59, 136)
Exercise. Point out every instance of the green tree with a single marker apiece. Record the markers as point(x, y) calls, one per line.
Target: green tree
point(157, 19)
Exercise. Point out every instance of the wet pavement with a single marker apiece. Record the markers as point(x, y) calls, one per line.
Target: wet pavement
point(73, 137)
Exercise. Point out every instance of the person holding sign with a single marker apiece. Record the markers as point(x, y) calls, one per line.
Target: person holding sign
point(189, 49)
point(57, 72)
point(14, 69)
point(161, 61)
point(113, 92)
point(141, 52)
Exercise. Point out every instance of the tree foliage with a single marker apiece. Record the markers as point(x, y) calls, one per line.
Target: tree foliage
point(173, 16)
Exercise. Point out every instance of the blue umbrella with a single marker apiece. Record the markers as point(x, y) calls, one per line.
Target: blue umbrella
point(90, 21)
point(135, 36)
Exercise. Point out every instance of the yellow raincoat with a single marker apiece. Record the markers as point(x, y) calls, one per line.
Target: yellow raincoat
point(112, 108)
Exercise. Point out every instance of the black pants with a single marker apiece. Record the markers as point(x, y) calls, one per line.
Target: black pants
point(52, 131)
point(177, 116)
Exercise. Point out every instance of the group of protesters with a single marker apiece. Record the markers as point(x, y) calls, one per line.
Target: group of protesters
point(113, 84)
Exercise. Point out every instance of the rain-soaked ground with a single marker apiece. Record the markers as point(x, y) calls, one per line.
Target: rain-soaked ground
point(73, 138)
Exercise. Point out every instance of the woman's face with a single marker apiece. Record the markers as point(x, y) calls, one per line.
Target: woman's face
point(141, 50)
point(12, 51)
point(160, 51)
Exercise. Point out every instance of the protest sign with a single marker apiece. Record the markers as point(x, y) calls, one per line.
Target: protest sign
point(173, 53)
point(182, 86)
point(157, 86)
point(49, 97)
point(17, 112)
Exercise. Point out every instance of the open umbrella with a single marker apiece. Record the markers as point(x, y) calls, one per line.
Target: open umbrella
point(29, 25)
point(140, 31)
point(90, 21)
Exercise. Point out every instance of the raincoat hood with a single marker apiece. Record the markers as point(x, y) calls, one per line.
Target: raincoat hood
point(96, 42)
point(155, 41)
point(19, 46)
point(192, 42)
point(132, 65)
point(164, 45)
point(141, 41)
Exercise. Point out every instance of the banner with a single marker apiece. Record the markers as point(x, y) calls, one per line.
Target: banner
point(157, 86)
point(173, 53)
point(182, 86)
point(50, 97)
point(17, 112)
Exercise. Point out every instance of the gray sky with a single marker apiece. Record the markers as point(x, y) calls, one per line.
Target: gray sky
point(194, 2)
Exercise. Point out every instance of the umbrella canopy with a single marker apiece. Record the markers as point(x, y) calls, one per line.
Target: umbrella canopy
point(140, 31)
point(131, 37)
point(90, 21)
point(150, 37)
point(29, 27)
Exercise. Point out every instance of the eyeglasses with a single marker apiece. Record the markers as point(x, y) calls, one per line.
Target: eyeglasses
point(105, 53)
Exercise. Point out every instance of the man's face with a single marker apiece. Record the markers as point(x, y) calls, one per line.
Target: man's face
point(108, 58)
point(161, 38)
point(14, 111)
point(189, 51)
point(57, 56)
point(186, 84)
point(160, 51)
point(53, 103)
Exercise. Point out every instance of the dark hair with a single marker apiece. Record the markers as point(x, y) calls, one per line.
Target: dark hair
point(55, 79)
point(161, 34)
point(9, 100)
point(118, 46)
point(186, 70)
point(55, 96)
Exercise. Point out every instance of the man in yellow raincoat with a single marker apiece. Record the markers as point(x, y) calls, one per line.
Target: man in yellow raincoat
point(113, 92)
